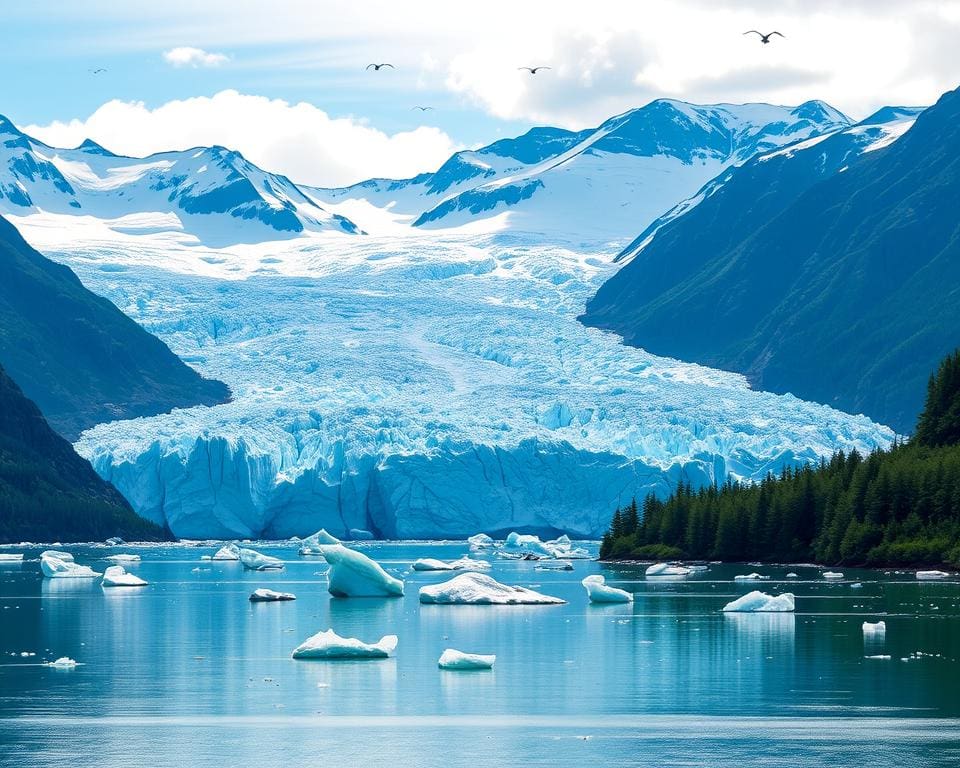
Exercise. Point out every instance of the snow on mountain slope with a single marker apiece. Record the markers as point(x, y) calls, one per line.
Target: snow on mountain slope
point(591, 185)
point(424, 386)
point(211, 193)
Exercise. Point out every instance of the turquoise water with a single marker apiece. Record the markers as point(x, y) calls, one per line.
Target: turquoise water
point(187, 672)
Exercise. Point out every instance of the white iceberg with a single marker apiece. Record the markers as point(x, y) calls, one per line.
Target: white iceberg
point(353, 574)
point(463, 564)
point(666, 569)
point(480, 540)
point(480, 589)
point(123, 558)
point(750, 577)
point(554, 565)
point(64, 662)
point(522, 542)
point(255, 561)
point(875, 628)
point(931, 575)
point(359, 534)
point(458, 660)
point(57, 554)
point(759, 602)
point(6, 557)
point(329, 645)
point(832, 575)
point(311, 545)
point(269, 596)
point(227, 552)
point(116, 576)
point(792, 575)
point(599, 592)
point(55, 568)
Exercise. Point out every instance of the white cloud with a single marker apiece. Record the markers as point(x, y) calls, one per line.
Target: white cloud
point(297, 140)
point(184, 56)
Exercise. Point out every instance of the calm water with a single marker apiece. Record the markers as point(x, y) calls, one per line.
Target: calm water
point(187, 672)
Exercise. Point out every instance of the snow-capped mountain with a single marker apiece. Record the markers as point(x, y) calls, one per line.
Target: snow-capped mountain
point(594, 184)
point(212, 193)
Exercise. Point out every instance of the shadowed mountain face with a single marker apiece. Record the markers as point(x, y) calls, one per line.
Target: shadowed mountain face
point(77, 356)
point(838, 281)
point(47, 491)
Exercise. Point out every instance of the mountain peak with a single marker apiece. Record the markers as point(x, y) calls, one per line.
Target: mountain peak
point(820, 111)
point(89, 145)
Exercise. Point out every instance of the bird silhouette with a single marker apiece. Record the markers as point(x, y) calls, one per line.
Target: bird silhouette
point(378, 67)
point(422, 109)
point(764, 38)
point(533, 70)
point(97, 71)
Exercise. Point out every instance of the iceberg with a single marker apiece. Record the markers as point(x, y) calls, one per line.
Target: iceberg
point(57, 554)
point(931, 575)
point(665, 569)
point(458, 660)
point(6, 557)
point(116, 576)
point(480, 541)
point(269, 596)
point(759, 602)
point(554, 565)
point(115, 541)
point(311, 545)
point(875, 628)
point(353, 574)
point(480, 589)
point(750, 577)
point(123, 558)
point(227, 552)
point(255, 561)
point(64, 662)
point(55, 568)
point(599, 592)
point(792, 575)
point(329, 645)
point(527, 543)
point(463, 564)
point(832, 575)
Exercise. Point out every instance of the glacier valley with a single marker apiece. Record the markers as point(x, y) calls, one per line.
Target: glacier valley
point(434, 384)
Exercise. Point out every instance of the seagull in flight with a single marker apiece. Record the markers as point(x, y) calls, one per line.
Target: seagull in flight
point(533, 70)
point(97, 71)
point(422, 109)
point(378, 67)
point(764, 38)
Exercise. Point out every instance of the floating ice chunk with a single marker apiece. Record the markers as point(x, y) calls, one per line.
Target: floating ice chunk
point(759, 602)
point(480, 540)
point(876, 628)
point(269, 596)
point(792, 575)
point(206, 557)
point(930, 575)
point(527, 543)
point(880, 656)
point(123, 558)
point(353, 574)
point(116, 576)
point(64, 662)
point(311, 545)
point(480, 589)
point(255, 561)
point(55, 568)
point(57, 554)
point(750, 577)
point(458, 660)
point(463, 564)
point(359, 534)
point(554, 565)
point(115, 541)
point(666, 569)
point(832, 575)
point(858, 585)
point(599, 592)
point(227, 552)
point(430, 564)
point(329, 645)
point(7, 557)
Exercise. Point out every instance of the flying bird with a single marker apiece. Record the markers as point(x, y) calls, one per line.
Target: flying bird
point(764, 38)
point(97, 71)
point(533, 70)
point(378, 67)
point(422, 109)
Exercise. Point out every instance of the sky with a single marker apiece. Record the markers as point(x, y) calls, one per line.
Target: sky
point(285, 81)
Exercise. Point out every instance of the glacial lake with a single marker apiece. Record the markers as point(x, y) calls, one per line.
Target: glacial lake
point(187, 672)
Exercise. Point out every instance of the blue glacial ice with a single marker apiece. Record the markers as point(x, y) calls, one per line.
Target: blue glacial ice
point(600, 592)
point(329, 645)
point(117, 576)
point(353, 574)
point(459, 661)
point(480, 589)
point(760, 602)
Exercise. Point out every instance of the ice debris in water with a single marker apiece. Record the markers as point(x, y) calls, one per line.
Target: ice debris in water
point(931, 575)
point(832, 575)
point(64, 662)
point(55, 568)
point(760, 602)
point(666, 569)
point(8, 557)
point(116, 576)
point(750, 577)
point(480, 541)
point(255, 561)
point(554, 565)
point(56, 553)
point(353, 574)
point(263, 595)
point(463, 564)
point(329, 645)
point(458, 660)
point(792, 575)
point(311, 545)
point(227, 552)
point(875, 628)
point(123, 558)
point(480, 589)
point(599, 592)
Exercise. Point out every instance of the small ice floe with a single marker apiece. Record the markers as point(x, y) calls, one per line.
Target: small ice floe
point(599, 592)
point(480, 541)
point(353, 574)
point(123, 558)
point(329, 645)
point(359, 534)
point(9, 557)
point(116, 576)
point(666, 569)
point(460, 661)
point(57, 554)
point(879, 656)
point(760, 602)
point(206, 557)
point(64, 662)
point(55, 568)
point(463, 564)
point(480, 589)
point(256, 561)
point(857, 585)
point(750, 577)
point(792, 575)
point(554, 565)
point(874, 628)
point(269, 596)
point(932, 575)
point(311, 545)
point(832, 575)
point(523, 542)
point(115, 541)
point(227, 552)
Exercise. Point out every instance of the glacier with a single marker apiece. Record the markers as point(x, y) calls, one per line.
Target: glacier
point(430, 385)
